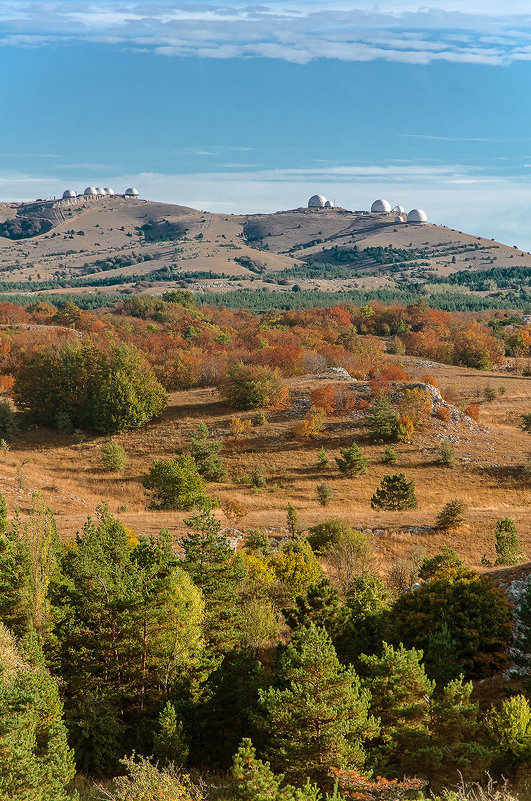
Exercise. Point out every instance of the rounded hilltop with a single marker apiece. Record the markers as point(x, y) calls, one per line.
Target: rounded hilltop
point(93, 192)
point(379, 206)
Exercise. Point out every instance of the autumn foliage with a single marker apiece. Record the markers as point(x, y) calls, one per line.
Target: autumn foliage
point(357, 787)
point(311, 424)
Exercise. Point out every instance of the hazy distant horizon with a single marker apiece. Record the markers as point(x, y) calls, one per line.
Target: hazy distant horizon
point(239, 108)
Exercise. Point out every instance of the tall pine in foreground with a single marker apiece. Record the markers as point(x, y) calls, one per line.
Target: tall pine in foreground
point(36, 763)
point(15, 576)
point(127, 627)
point(218, 572)
point(400, 698)
point(316, 715)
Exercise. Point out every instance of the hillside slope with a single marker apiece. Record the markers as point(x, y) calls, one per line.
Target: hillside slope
point(121, 243)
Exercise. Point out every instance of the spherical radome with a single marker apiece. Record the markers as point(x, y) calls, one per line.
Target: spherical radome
point(69, 193)
point(90, 190)
point(108, 190)
point(317, 202)
point(417, 216)
point(131, 191)
point(329, 204)
point(381, 206)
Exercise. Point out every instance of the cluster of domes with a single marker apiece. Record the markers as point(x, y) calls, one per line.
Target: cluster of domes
point(380, 206)
point(319, 202)
point(414, 216)
point(99, 191)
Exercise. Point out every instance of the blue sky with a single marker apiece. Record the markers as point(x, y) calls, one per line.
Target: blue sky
point(236, 107)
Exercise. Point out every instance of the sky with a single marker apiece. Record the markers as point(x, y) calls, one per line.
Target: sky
point(253, 107)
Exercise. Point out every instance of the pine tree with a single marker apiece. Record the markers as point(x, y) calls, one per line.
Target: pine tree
point(127, 626)
point(442, 658)
point(292, 520)
point(394, 493)
point(322, 459)
point(446, 455)
point(400, 698)
point(316, 715)
point(508, 545)
point(325, 493)
point(255, 781)
point(229, 702)
point(452, 516)
point(352, 462)
point(15, 576)
point(522, 642)
point(389, 455)
point(455, 749)
point(35, 760)
point(205, 454)
point(218, 572)
point(169, 746)
point(382, 423)
point(318, 605)
point(361, 624)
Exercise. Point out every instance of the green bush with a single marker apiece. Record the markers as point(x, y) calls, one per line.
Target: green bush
point(325, 493)
point(205, 453)
point(257, 478)
point(352, 462)
point(382, 423)
point(489, 393)
point(113, 456)
point(477, 614)
point(250, 386)
point(446, 455)
point(324, 535)
point(394, 493)
point(108, 390)
point(508, 545)
point(322, 459)
point(389, 455)
point(452, 515)
point(176, 484)
point(257, 542)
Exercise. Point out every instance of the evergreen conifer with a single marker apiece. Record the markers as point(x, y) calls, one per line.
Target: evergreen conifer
point(394, 492)
point(205, 454)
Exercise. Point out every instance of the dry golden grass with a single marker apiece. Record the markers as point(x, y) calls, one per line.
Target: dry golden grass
point(487, 475)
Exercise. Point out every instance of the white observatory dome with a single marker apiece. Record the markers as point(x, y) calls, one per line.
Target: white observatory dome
point(398, 210)
point(317, 202)
point(417, 216)
point(99, 190)
point(329, 204)
point(398, 219)
point(90, 190)
point(131, 191)
point(108, 190)
point(69, 193)
point(381, 206)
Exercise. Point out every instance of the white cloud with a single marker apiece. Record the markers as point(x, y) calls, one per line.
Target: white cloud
point(488, 33)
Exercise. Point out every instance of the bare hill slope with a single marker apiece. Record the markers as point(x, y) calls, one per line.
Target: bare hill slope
point(121, 242)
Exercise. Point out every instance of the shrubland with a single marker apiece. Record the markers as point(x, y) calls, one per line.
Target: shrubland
point(181, 655)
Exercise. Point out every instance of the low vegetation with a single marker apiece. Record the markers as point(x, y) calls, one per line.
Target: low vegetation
point(263, 608)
